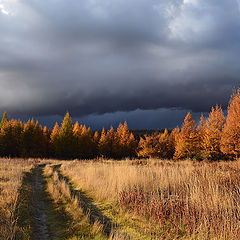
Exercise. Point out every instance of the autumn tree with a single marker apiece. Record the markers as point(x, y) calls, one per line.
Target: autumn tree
point(147, 147)
point(103, 144)
point(77, 132)
point(54, 141)
point(211, 134)
point(125, 144)
point(96, 139)
point(107, 143)
point(187, 140)
point(40, 141)
point(4, 119)
point(46, 140)
point(132, 146)
point(66, 138)
point(17, 127)
point(157, 145)
point(85, 143)
point(164, 145)
point(230, 139)
point(172, 140)
point(30, 144)
point(201, 131)
point(10, 138)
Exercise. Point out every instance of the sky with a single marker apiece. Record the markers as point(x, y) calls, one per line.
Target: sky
point(145, 61)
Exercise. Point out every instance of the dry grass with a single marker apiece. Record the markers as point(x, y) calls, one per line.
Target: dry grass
point(186, 199)
point(77, 222)
point(11, 174)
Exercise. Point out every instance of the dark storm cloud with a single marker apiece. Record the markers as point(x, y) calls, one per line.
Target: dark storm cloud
point(104, 56)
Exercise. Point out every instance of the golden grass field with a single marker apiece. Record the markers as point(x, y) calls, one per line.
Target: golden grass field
point(11, 176)
point(142, 199)
point(187, 200)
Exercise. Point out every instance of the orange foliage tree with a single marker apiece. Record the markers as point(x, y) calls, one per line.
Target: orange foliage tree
point(157, 145)
point(187, 141)
point(125, 144)
point(66, 138)
point(211, 134)
point(54, 141)
point(147, 146)
point(10, 138)
point(230, 140)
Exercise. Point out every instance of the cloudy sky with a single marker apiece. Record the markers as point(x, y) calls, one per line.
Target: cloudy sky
point(145, 61)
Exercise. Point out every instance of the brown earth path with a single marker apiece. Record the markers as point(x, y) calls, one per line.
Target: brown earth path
point(40, 224)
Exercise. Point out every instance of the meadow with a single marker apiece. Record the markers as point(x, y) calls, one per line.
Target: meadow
point(12, 172)
point(166, 200)
point(129, 199)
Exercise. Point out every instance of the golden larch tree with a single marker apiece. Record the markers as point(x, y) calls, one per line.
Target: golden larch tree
point(96, 138)
point(172, 140)
point(163, 146)
point(66, 138)
point(187, 139)
point(201, 130)
point(230, 139)
point(211, 134)
point(132, 146)
point(54, 141)
point(147, 147)
point(85, 142)
point(102, 145)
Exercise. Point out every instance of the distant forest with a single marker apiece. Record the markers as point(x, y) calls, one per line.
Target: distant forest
point(212, 138)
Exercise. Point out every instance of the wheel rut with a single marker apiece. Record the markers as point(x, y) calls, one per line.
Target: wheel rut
point(40, 223)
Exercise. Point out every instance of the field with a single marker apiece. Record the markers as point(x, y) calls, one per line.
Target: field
point(11, 177)
point(107, 199)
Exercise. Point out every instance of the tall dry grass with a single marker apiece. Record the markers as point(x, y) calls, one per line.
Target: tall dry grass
point(194, 200)
point(11, 175)
point(78, 227)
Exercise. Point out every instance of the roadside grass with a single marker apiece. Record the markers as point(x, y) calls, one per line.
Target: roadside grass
point(76, 221)
point(160, 199)
point(23, 212)
point(12, 172)
point(127, 225)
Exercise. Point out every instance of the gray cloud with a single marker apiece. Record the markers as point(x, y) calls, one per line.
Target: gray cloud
point(104, 56)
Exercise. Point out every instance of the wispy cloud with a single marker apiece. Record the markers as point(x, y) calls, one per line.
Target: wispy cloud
point(3, 10)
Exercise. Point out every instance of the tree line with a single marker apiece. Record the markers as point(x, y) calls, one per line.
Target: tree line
point(68, 141)
point(212, 138)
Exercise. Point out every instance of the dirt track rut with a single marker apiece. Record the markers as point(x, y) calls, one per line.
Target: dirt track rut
point(40, 224)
